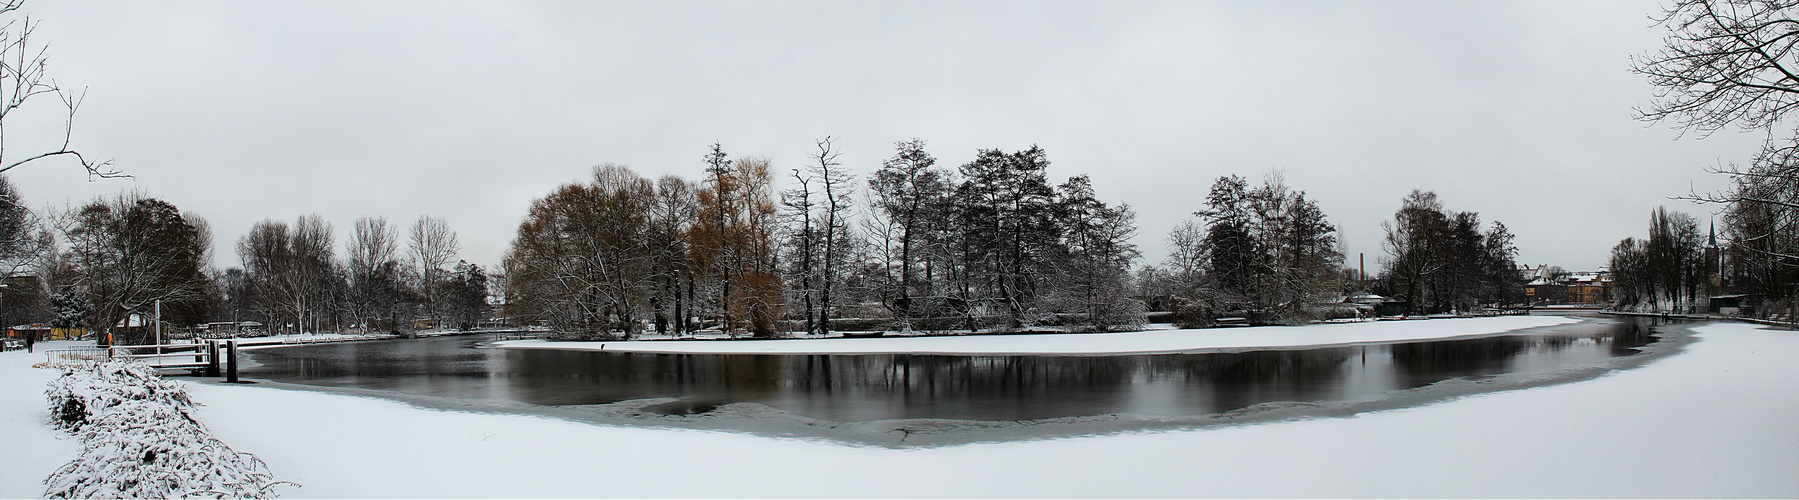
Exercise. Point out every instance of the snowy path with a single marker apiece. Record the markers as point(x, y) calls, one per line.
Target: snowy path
point(1085, 343)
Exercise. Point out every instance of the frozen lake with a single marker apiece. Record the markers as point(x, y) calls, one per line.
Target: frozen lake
point(866, 387)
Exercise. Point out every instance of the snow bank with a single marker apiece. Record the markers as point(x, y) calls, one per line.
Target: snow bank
point(1085, 343)
point(1713, 421)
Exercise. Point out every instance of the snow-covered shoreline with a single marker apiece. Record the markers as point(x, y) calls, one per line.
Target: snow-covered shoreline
point(1713, 420)
point(1153, 341)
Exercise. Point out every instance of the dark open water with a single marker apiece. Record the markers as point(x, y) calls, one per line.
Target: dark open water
point(893, 386)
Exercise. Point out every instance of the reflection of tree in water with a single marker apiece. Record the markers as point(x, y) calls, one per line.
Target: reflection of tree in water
point(1237, 380)
point(1630, 333)
point(1425, 363)
point(900, 386)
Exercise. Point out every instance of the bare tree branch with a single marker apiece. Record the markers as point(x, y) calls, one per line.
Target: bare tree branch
point(22, 78)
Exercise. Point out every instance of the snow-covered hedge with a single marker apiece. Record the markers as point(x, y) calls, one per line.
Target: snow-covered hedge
point(140, 440)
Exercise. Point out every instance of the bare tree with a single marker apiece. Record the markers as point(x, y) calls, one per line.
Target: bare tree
point(432, 246)
point(22, 235)
point(821, 241)
point(671, 223)
point(1725, 62)
point(835, 183)
point(1096, 256)
point(583, 261)
point(761, 300)
point(375, 282)
point(1414, 253)
point(292, 272)
point(316, 272)
point(130, 252)
point(23, 78)
point(1660, 273)
point(803, 257)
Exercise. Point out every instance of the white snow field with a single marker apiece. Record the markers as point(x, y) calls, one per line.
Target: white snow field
point(1717, 420)
point(29, 448)
point(1085, 343)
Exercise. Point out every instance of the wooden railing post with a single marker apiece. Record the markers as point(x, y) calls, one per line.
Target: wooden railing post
point(212, 358)
point(231, 362)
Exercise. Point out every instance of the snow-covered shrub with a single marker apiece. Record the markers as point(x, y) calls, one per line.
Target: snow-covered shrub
point(140, 440)
point(85, 390)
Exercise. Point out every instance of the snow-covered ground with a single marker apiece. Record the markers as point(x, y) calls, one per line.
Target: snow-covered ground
point(1713, 421)
point(29, 448)
point(1086, 343)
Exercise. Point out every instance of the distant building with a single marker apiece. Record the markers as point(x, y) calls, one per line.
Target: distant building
point(1589, 287)
point(1543, 291)
point(1584, 287)
point(1529, 274)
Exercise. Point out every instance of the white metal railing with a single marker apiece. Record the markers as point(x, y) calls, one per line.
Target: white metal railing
point(71, 356)
point(158, 355)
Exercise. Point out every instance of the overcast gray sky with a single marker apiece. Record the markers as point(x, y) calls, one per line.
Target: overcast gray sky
point(243, 111)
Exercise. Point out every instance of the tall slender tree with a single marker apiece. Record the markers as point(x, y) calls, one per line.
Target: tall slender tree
point(911, 195)
point(376, 283)
point(834, 225)
point(432, 246)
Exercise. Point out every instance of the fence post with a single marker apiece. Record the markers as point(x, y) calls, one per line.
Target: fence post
point(231, 362)
point(212, 358)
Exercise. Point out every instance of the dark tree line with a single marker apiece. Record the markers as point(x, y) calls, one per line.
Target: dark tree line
point(95, 265)
point(1443, 261)
point(1664, 272)
point(1266, 254)
point(993, 245)
point(292, 281)
point(1269, 255)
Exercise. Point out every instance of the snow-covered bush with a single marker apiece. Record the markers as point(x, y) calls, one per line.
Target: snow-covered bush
point(140, 440)
point(88, 389)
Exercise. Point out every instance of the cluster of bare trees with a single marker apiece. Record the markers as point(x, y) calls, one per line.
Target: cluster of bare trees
point(292, 281)
point(97, 264)
point(993, 245)
point(131, 252)
point(817, 215)
point(1666, 271)
point(1266, 254)
point(1442, 261)
point(595, 260)
point(1733, 63)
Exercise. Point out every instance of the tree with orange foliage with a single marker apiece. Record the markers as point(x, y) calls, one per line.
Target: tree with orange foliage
point(734, 245)
point(582, 262)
